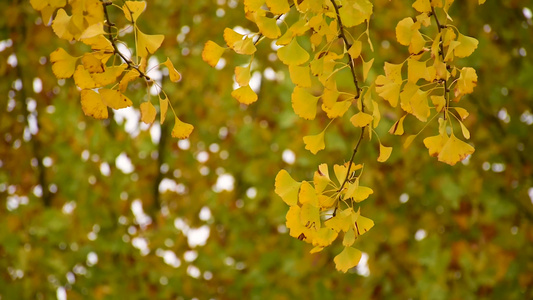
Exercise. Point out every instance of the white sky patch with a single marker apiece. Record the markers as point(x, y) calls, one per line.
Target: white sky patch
point(155, 132)
point(32, 123)
point(224, 182)
point(68, 207)
point(12, 60)
point(362, 268)
point(184, 144)
point(420, 234)
point(132, 118)
point(105, 169)
point(124, 164)
point(124, 50)
point(220, 64)
point(140, 217)
point(527, 13)
point(92, 259)
point(202, 156)
point(167, 185)
point(274, 46)
point(269, 74)
point(288, 156)
point(37, 85)
point(404, 198)
point(241, 30)
point(198, 236)
point(190, 255)
point(61, 293)
point(251, 193)
point(141, 244)
point(170, 258)
point(530, 193)
point(205, 213)
point(193, 271)
point(255, 81)
point(180, 225)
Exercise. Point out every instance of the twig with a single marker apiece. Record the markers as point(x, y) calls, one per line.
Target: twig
point(441, 52)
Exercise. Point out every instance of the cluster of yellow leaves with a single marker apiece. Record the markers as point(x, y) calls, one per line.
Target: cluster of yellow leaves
point(103, 85)
point(320, 212)
point(430, 76)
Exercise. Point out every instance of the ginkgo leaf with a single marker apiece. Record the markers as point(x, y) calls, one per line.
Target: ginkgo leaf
point(367, 65)
point(393, 71)
point(114, 99)
point(300, 75)
point(83, 79)
point(92, 64)
point(347, 259)
point(435, 144)
point(130, 76)
point(244, 95)
point(278, 7)
point(363, 224)
point(466, 46)
point(242, 75)
point(303, 103)
point(439, 102)
point(148, 112)
point(212, 53)
point(464, 130)
point(245, 46)
point(287, 188)
point(181, 129)
point(454, 150)
point(416, 70)
point(384, 153)
point(376, 115)
point(409, 140)
point(318, 248)
point(231, 37)
point(307, 194)
point(338, 109)
point(321, 178)
point(63, 65)
point(388, 90)
point(354, 13)
point(463, 113)
point(174, 75)
point(349, 238)
point(355, 49)
point(466, 82)
point(267, 26)
point(326, 202)
point(133, 9)
point(253, 5)
point(92, 105)
point(293, 54)
point(92, 31)
point(310, 216)
point(148, 44)
point(342, 221)
point(361, 119)
point(404, 31)
point(315, 143)
point(397, 128)
point(109, 76)
point(362, 193)
point(60, 25)
point(324, 237)
point(163, 107)
point(417, 42)
point(419, 105)
point(423, 6)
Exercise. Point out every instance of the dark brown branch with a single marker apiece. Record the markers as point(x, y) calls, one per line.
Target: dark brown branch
point(348, 46)
point(441, 53)
point(110, 37)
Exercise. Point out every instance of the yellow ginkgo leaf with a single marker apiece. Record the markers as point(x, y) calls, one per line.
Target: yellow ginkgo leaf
point(340, 172)
point(361, 119)
point(367, 65)
point(130, 76)
point(163, 107)
point(363, 224)
point(466, 46)
point(404, 31)
point(315, 143)
point(303, 103)
point(307, 194)
point(92, 105)
point(397, 128)
point(92, 31)
point(347, 259)
point(464, 130)
point(342, 221)
point(463, 113)
point(349, 238)
point(148, 44)
point(133, 9)
point(300, 75)
point(212, 53)
point(109, 76)
point(393, 72)
point(423, 6)
point(181, 129)
point(417, 43)
point(83, 79)
point(231, 37)
point(253, 5)
point(435, 144)
point(174, 75)
point(293, 54)
point(92, 64)
point(278, 7)
point(324, 237)
point(362, 193)
point(384, 153)
point(419, 105)
point(355, 49)
point(338, 109)
point(63, 65)
point(61, 25)
point(242, 75)
point(287, 188)
point(466, 82)
point(376, 115)
point(439, 102)
point(148, 112)
point(114, 99)
point(388, 89)
point(321, 178)
point(354, 13)
point(245, 47)
point(267, 26)
point(416, 70)
point(310, 216)
point(244, 95)
point(454, 150)
point(408, 141)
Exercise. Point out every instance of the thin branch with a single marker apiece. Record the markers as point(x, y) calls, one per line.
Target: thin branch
point(348, 46)
point(110, 37)
point(441, 52)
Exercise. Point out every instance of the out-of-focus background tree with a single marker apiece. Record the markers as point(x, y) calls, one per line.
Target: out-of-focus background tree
point(114, 209)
